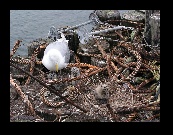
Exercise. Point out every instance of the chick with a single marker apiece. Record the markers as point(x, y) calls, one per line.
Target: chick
point(101, 91)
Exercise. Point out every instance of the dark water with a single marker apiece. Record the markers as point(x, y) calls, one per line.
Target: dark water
point(28, 25)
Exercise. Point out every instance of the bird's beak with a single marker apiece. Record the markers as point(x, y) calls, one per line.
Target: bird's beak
point(56, 67)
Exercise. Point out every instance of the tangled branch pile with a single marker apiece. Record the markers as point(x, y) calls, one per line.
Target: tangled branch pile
point(121, 83)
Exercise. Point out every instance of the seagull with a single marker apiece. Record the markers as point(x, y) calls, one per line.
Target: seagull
point(57, 54)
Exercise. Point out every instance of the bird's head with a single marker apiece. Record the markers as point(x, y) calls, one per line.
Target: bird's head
point(60, 64)
point(57, 59)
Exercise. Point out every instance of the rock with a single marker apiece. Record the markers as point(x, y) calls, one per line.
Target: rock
point(73, 42)
point(105, 15)
point(141, 11)
point(152, 27)
point(132, 15)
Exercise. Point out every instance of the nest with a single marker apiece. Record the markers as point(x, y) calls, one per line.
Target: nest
point(121, 83)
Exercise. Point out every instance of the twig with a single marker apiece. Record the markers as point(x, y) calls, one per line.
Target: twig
point(82, 76)
point(137, 109)
point(145, 82)
point(120, 35)
point(53, 104)
point(131, 117)
point(138, 57)
point(23, 96)
point(33, 60)
point(52, 90)
point(81, 65)
point(19, 76)
point(16, 46)
point(24, 61)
